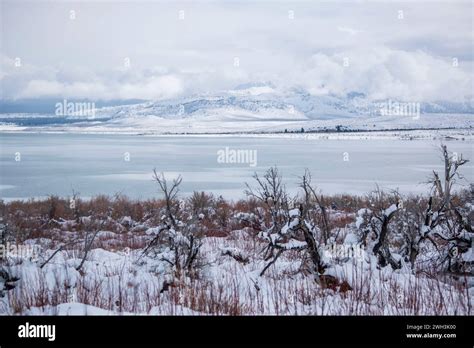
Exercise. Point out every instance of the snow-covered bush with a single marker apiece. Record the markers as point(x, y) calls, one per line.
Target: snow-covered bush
point(444, 223)
point(287, 229)
point(438, 227)
point(178, 238)
point(376, 227)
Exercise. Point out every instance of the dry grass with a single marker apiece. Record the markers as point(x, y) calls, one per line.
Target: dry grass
point(283, 290)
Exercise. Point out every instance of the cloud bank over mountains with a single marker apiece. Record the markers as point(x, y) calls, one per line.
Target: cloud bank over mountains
point(162, 50)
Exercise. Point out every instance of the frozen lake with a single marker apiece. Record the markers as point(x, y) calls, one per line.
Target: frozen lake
point(38, 165)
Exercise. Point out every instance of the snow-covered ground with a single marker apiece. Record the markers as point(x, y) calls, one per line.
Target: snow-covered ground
point(427, 125)
point(123, 281)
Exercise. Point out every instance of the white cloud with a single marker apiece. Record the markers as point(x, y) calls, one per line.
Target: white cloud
point(388, 57)
point(379, 72)
point(386, 73)
point(154, 88)
point(348, 30)
point(160, 87)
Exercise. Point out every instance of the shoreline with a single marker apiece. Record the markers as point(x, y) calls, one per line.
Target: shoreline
point(461, 134)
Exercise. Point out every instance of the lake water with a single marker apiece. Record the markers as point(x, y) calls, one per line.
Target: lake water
point(38, 165)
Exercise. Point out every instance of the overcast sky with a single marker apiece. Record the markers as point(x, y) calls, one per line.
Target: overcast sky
point(384, 49)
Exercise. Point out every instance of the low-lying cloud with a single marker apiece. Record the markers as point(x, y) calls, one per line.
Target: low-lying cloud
point(147, 50)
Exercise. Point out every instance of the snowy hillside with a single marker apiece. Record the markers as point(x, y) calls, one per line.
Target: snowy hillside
point(257, 107)
point(261, 101)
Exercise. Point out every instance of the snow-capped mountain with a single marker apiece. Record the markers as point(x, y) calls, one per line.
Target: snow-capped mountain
point(258, 107)
point(252, 102)
point(263, 101)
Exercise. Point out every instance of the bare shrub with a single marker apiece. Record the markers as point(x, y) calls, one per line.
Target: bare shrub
point(288, 229)
point(177, 240)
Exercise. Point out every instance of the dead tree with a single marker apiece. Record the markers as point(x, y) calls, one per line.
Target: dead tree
point(271, 193)
point(416, 218)
point(452, 163)
point(178, 238)
point(288, 229)
point(444, 224)
point(170, 194)
point(456, 230)
point(311, 195)
point(376, 226)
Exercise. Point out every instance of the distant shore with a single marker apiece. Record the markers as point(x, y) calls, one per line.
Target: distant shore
point(462, 134)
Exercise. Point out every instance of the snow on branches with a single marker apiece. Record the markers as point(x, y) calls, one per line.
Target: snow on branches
point(178, 238)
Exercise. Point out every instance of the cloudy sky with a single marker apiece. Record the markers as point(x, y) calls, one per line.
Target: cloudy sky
point(161, 49)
